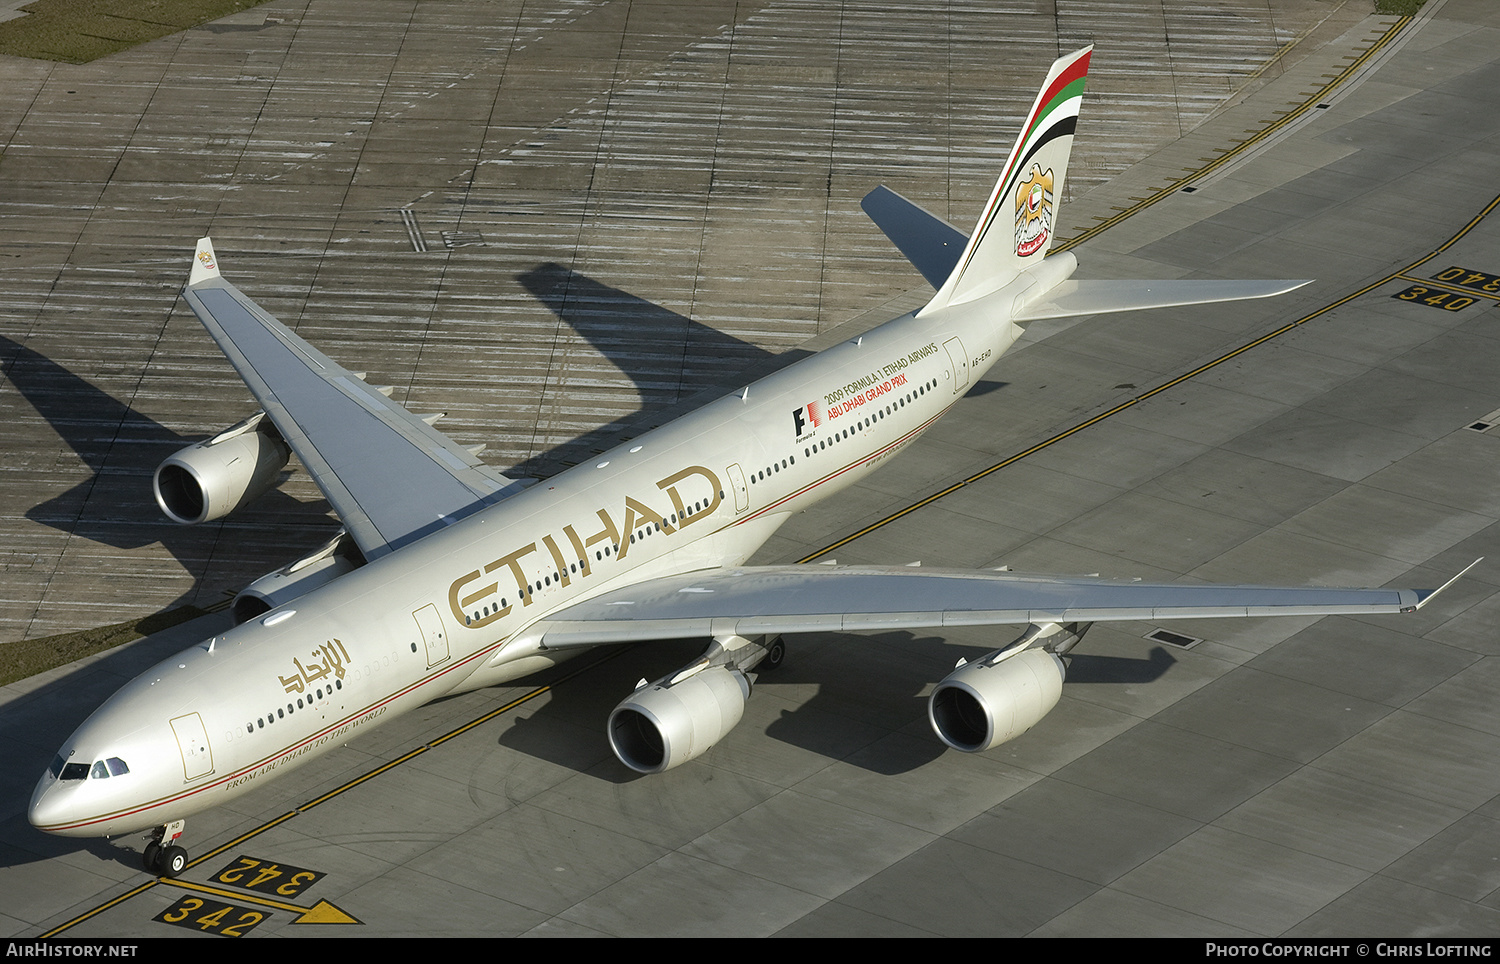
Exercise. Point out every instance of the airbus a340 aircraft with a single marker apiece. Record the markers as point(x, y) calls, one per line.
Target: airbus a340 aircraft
point(450, 576)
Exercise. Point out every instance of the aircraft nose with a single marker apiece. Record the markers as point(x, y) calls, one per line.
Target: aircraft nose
point(47, 809)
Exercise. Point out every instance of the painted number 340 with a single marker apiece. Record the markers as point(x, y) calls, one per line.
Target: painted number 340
point(1434, 297)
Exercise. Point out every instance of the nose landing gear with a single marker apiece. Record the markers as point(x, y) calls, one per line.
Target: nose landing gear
point(162, 856)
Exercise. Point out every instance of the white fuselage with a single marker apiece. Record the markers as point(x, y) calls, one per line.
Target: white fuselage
point(466, 606)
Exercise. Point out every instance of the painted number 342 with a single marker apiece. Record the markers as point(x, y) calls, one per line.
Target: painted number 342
point(201, 914)
point(283, 880)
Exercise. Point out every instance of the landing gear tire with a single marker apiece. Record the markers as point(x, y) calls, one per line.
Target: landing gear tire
point(162, 857)
point(174, 861)
point(775, 653)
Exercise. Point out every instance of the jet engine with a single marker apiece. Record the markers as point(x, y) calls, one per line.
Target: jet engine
point(316, 569)
point(213, 478)
point(679, 717)
point(989, 701)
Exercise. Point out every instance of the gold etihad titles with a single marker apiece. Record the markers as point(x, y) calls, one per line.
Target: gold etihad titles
point(472, 609)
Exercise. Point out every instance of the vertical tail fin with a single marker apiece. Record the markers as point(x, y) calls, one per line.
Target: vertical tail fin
point(1017, 226)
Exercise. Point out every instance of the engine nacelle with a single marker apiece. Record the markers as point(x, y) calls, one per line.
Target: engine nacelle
point(677, 718)
point(316, 569)
point(985, 703)
point(213, 478)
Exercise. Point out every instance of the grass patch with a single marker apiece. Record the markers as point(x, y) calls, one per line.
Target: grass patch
point(20, 660)
point(78, 31)
point(1400, 8)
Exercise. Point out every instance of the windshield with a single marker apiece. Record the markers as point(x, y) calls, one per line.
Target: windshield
point(101, 769)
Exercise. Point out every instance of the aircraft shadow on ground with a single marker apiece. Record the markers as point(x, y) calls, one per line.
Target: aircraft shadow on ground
point(121, 448)
point(33, 728)
point(675, 363)
point(869, 710)
point(1088, 668)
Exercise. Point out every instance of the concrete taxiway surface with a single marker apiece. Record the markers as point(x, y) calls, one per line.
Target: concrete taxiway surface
point(544, 221)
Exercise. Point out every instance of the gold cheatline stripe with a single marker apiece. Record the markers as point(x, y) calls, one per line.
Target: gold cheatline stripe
point(1307, 105)
point(479, 721)
point(1397, 275)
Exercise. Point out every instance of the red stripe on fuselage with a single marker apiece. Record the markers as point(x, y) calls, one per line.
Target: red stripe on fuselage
point(852, 465)
point(287, 752)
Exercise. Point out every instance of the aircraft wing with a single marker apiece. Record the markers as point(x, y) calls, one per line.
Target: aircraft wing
point(390, 476)
point(748, 601)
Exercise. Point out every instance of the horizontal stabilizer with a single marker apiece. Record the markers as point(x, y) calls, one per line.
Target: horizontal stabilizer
point(1097, 297)
point(931, 244)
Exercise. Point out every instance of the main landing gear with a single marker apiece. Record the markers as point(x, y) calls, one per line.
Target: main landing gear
point(162, 856)
point(775, 653)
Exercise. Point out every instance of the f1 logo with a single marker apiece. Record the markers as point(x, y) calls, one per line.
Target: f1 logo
point(811, 412)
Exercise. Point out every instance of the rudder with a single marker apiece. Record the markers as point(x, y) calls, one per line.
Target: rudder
point(1018, 225)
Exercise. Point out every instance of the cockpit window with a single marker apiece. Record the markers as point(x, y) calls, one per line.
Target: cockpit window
point(69, 771)
point(104, 769)
point(100, 770)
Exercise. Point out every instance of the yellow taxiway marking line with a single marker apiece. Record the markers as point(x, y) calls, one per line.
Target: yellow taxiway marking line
point(1448, 286)
point(1254, 140)
point(323, 907)
point(1397, 275)
point(1285, 119)
point(1309, 104)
